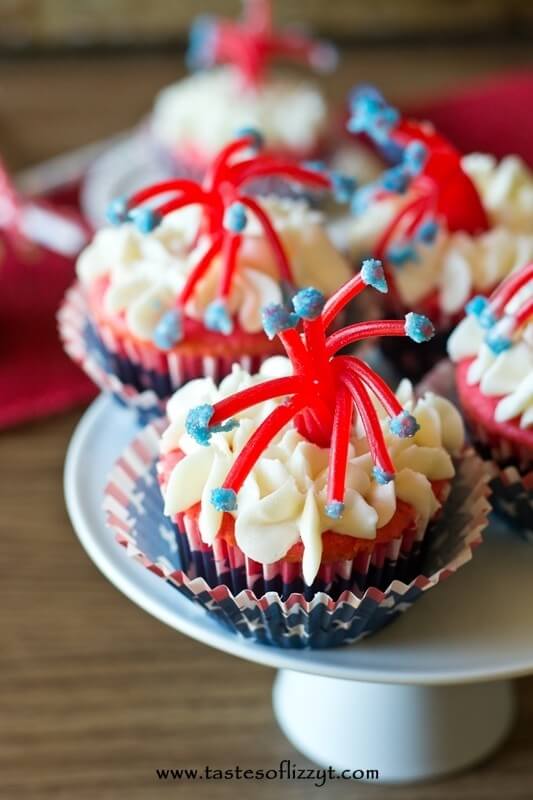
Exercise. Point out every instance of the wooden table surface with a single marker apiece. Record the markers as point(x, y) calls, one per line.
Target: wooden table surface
point(95, 694)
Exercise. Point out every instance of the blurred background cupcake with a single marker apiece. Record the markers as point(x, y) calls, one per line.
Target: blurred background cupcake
point(174, 291)
point(233, 86)
point(493, 352)
point(446, 226)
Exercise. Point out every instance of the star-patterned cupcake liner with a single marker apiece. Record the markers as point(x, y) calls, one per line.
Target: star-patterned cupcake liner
point(134, 511)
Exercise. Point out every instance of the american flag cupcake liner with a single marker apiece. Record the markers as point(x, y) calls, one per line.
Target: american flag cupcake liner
point(139, 378)
point(273, 615)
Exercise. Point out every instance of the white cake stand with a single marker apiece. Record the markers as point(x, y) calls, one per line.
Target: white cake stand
point(429, 695)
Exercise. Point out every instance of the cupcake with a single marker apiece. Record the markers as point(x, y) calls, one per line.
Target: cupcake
point(446, 226)
point(310, 476)
point(492, 349)
point(174, 291)
point(232, 86)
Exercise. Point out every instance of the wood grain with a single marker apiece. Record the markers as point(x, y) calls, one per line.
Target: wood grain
point(95, 694)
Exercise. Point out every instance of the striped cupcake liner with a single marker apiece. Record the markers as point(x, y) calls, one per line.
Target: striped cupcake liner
point(133, 506)
point(139, 378)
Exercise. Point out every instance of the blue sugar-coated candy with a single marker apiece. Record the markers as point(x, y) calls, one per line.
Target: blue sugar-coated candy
point(382, 476)
point(169, 330)
point(235, 218)
point(418, 327)
point(276, 318)
point(427, 232)
point(217, 317)
point(145, 219)
point(402, 253)
point(404, 425)
point(224, 499)
point(373, 275)
point(308, 303)
point(197, 424)
point(335, 509)
point(343, 187)
point(201, 43)
point(497, 342)
point(476, 306)
point(395, 180)
point(117, 211)
point(415, 157)
point(253, 133)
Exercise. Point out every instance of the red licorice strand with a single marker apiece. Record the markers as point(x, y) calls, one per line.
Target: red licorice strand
point(221, 162)
point(310, 425)
point(199, 270)
point(179, 202)
point(510, 286)
point(315, 342)
point(340, 444)
point(229, 263)
point(380, 250)
point(364, 330)
point(295, 349)
point(272, 237)
point(341, 298)
point(524, 313)
point(375, 383)
point(370, 420)
point(253, 395)
point(186, 187)
point(259, 441)
point(265, 166)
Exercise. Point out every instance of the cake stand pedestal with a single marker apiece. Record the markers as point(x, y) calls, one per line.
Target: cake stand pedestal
point(425, 697)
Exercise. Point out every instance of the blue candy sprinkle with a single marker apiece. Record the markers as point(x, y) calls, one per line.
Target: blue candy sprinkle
point(343, 187)
point(308, 303)
point(217, 317)
point(372, 115)
point(427, 232)
point(476, 306)
point(276, 318)
point(235, 218)
point(117, 211)
point(415, 157)
point(198, 428)
point(487, 319)
point(201, 43)
point(224, 499)
point(362, 198)
point(168, 330)
point(497, 342)
point(403, 425)
point(401, 254)
point(315, 166)
point(418, 327)
point(395, 180)
point(145, 219)
point(373, 275)
point(253, 133)
point(382, 476)
point(335, 509)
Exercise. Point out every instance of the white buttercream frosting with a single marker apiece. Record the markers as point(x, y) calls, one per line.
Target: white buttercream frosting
point(458, 264)
point(283, 498)
point(509, 374)
point(146, 272)
point(204, 110)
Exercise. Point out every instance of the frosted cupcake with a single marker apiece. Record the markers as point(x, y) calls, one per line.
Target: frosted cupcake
point(445, 226)
point(174, 290)
point(311, 476)
point(493, 352)
point(232, 87)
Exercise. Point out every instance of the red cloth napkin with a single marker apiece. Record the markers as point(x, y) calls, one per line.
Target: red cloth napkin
point(37, 378)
